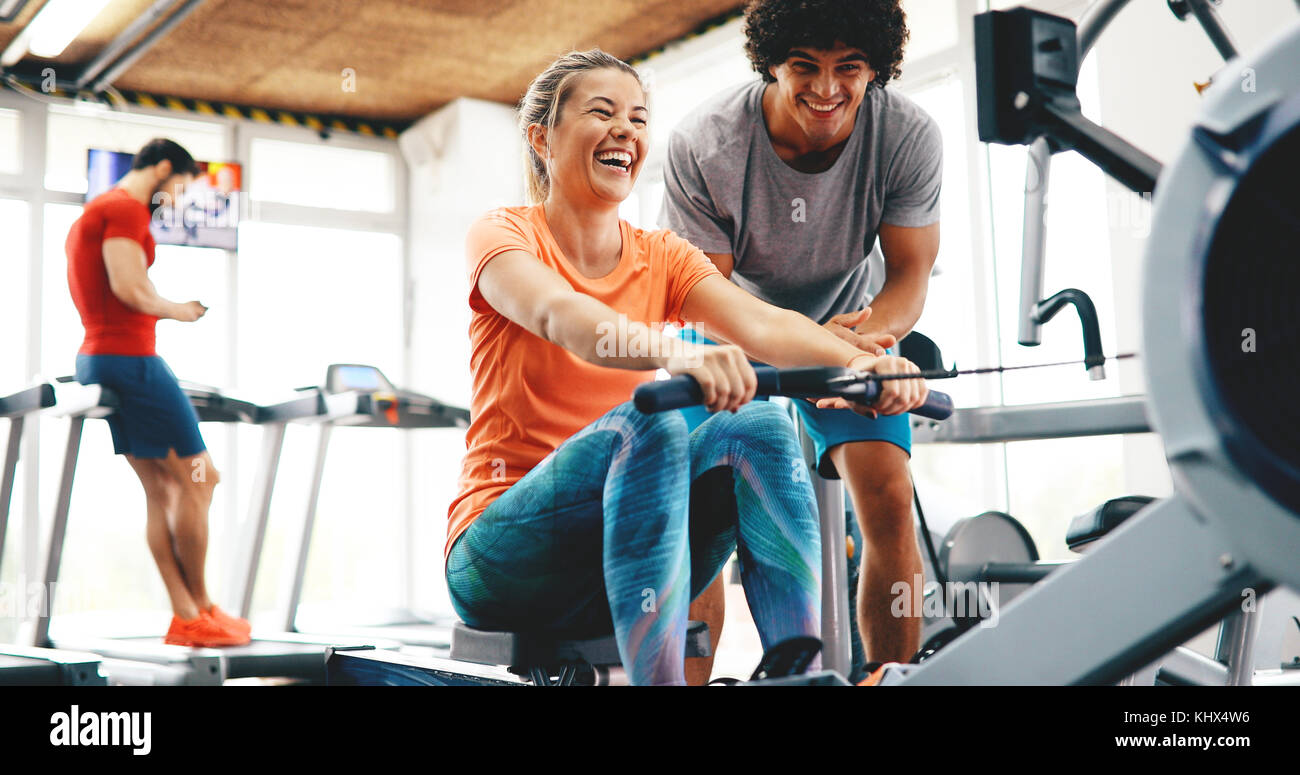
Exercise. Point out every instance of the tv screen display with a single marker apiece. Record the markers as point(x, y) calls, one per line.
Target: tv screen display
point(207, 218)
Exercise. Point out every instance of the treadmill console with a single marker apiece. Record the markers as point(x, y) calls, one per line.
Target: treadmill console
point(343, 377)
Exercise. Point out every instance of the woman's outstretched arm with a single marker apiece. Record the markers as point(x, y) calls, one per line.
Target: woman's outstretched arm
point(785, 338)
point(536, 297)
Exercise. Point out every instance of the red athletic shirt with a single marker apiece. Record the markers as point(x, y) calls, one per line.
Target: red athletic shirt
point(112, 328)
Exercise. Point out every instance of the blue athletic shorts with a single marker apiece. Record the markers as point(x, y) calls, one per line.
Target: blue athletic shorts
point(153, 415)
point(826, 427)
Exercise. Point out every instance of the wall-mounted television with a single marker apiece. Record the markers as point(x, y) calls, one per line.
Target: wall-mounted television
point(209, 216)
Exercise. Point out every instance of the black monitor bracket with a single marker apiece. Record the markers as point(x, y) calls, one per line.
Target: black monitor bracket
point(1027, 65)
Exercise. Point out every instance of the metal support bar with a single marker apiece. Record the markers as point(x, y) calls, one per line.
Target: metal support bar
point(58, 532)
point(10, 9)
point(1094, 21)
point(35, 142)
point(1034, 243)
point(832, 523)
point(244, 578)
point(308, 525)
point(406, 527)
point(124, 40)
point(140, 49)
point(1064, 420)
point(12, 450)
point(1117, 157)
point(1018, 572)
point(1156, 581)
point(836, 617)
point(1236, 646)
point(1184, 667)
point(1214, 28)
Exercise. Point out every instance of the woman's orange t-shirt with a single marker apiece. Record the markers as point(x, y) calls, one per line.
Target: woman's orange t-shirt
point(530, 395)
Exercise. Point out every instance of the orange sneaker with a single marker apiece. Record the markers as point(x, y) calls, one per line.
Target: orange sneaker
point(232, 623)
point(877, 671)
point(203, 632)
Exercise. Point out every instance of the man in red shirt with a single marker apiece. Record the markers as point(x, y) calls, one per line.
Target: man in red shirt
point(109, 252)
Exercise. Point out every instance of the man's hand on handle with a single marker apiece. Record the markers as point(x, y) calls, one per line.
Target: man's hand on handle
point(849, 327)
point(896, 395)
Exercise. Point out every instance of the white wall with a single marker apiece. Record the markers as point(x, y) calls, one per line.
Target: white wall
point(464, 160)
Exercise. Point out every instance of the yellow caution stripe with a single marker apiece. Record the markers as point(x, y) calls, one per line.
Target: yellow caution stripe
point(316, 123)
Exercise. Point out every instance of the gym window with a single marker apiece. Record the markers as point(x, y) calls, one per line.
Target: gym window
point(321, 176)
point(11, 160)
point(933, 25)
point(72, 130)
point(14, 216)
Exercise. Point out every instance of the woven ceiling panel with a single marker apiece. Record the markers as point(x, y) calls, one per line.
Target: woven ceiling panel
point(409, 56)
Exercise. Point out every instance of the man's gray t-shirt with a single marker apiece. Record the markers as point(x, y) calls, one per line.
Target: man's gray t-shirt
point(800, 240)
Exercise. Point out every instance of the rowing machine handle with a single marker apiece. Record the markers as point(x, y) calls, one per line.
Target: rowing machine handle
point(682, 391)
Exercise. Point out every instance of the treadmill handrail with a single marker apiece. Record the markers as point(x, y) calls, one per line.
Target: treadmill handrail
point(32, 399)
point(73, 399)
point(307, 405)
point(338, 406)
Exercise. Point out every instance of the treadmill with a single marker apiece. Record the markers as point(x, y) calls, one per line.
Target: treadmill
point(385, 406)
point(146, 659)
point(20, 666)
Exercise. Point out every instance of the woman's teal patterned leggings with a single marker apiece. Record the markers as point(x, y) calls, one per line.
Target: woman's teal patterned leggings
point(626, 522)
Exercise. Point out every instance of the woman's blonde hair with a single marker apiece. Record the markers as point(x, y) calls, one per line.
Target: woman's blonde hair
point(545, 97)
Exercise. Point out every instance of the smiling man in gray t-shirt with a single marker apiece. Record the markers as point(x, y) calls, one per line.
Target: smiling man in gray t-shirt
point(787, 183)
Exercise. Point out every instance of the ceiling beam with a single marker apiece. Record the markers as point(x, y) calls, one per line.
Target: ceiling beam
point(9, 9)
point(124, 40)
point(118, 56)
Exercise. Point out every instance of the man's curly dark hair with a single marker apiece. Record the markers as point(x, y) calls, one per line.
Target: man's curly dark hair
point(876, 27)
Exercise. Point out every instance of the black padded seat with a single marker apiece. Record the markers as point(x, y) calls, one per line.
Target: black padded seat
point(921, 350)
point(519, 652)
point(1092, 525)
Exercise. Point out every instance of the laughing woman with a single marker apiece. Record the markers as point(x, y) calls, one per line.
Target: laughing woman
point(577, 514)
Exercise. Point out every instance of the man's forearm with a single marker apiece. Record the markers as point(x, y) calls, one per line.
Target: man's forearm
point(786, 339)
point(897, 307)
point(591, 330)
point(145, 299)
